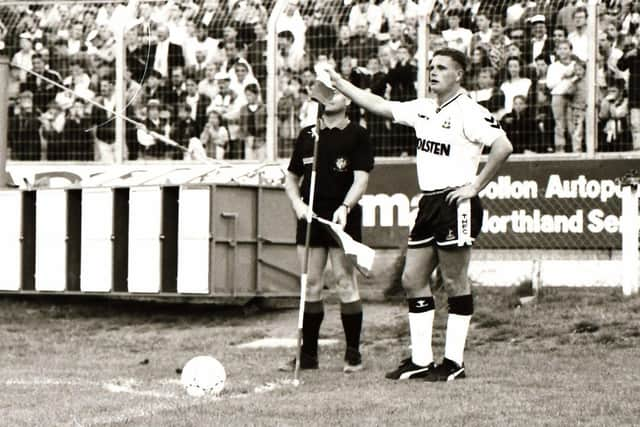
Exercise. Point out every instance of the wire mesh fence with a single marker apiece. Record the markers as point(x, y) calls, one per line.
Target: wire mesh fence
point(196, 72)
point(372, 45)
point(186, 77)
point(53, 47)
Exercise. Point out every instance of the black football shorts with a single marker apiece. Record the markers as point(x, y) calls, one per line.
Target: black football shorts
point(438, 222)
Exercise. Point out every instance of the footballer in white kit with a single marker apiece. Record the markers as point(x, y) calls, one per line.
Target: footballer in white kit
point(451, 131)
point(450, 139)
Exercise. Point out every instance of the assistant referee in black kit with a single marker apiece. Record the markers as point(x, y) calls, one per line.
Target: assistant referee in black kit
point(345, 158)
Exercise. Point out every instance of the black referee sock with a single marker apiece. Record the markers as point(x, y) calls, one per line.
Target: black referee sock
point(311, 321)
point(351, 315)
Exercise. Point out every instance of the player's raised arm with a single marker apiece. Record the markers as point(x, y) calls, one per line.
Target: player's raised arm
point(363, 98)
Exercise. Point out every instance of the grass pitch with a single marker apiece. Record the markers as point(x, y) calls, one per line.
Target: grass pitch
point(570, 358)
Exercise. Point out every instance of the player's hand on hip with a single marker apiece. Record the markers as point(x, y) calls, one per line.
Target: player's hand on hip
point(340, 216)
point(461, 194)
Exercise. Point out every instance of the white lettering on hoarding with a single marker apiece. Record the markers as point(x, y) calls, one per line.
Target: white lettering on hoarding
point(386, 205)
point(383, 210)
point(522, 222)
point(581, 188)
point(599, 222)
point(505, 188)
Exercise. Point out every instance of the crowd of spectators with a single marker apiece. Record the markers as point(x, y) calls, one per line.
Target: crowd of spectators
point(196, 72)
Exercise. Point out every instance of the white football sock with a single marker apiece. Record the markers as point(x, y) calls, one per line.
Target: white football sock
point(421, 327)
point(457, 328)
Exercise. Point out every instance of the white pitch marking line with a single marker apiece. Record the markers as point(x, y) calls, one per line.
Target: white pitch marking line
point(265, 388)
point(191, 401)
point(117, 388)
point(125, 385)
point(48, 381)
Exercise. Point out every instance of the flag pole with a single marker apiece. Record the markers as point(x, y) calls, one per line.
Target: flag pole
point(307, 242)
point(321, 92)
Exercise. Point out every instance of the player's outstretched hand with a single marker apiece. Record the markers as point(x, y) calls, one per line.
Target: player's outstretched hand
point(329, 70)
point(461, 194)
point(340, 216)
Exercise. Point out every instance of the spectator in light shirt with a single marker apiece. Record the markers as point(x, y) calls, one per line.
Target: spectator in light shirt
point(579, 38)
point(560, 75)
point(363, 12)
point(457, 37)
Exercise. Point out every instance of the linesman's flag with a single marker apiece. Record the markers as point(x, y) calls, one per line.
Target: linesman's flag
point(322, 90)
point(361, 255)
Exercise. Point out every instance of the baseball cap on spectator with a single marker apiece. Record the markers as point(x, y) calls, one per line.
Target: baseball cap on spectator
point(537, 18)
point(222, 75)
point(516, 33)
point(153, 103)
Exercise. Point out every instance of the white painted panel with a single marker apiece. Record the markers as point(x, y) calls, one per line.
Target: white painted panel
point(144, 266)
point(51, 240)
point(11, 247)
point(193, 270)
point(96, 267)
point(145, 227)
point(145, 211)
point(193, 240)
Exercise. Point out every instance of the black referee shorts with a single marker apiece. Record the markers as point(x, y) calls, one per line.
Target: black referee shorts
point(437, 221)
point(320, 235)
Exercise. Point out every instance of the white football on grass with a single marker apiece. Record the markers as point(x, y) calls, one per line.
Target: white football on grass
point(203, 375)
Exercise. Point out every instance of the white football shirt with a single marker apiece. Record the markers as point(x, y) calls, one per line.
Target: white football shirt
point(449, 138)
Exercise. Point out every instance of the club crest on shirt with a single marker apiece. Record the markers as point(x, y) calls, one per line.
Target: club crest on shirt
point(340, 164)
point(446, 124)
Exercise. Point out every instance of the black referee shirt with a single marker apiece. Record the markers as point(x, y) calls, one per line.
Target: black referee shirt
point(340, 152)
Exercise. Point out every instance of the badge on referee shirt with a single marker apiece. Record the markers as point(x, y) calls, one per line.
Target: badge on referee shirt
point(340, 164)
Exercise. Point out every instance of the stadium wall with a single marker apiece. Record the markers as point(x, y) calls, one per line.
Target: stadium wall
point(205, 240)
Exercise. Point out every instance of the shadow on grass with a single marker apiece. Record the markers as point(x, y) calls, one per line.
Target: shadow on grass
point(25, 307)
